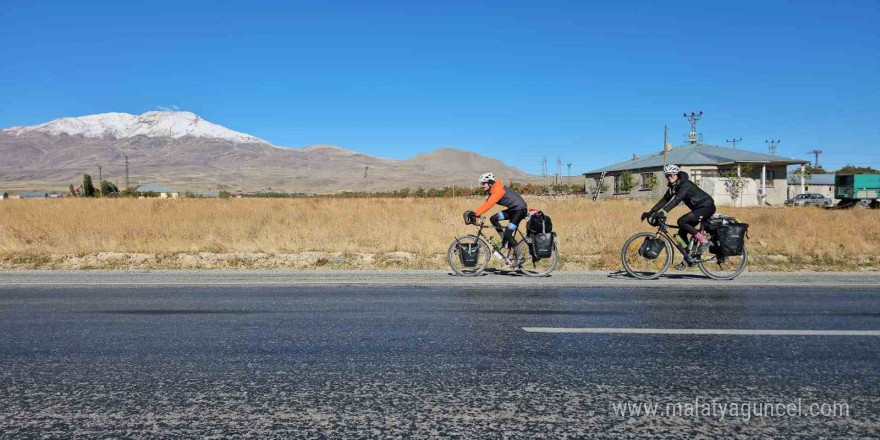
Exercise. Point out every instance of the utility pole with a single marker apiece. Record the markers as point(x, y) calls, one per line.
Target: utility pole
point(665, 142)
point(127, 186)
point(100, 179)
point(366, 177)
point(694, 137)
point(569, 171)
point(734, 141)
point(771, 145)
point(816, 153)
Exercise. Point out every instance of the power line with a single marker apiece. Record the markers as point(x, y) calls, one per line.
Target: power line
point(771, 145)
point(734, 141)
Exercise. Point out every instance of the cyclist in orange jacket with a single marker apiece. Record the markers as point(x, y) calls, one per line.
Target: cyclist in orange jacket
point(499, 194)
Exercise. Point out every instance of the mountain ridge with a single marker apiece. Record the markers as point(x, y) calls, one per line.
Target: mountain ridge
point(32, 158)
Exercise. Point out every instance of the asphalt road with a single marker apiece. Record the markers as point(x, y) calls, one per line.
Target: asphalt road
point(425, 355)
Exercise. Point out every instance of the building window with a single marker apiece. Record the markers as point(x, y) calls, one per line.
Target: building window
point(711, 173)
point(770, 177)
point(648, 180)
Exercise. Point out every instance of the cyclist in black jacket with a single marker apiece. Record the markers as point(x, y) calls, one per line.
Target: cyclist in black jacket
point(681, 189)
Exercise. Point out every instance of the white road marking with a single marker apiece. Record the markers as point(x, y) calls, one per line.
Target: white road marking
point(703, 331)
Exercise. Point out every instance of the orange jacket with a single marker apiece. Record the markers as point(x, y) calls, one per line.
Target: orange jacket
point(496, 192)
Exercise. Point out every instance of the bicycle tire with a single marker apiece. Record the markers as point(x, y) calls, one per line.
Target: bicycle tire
point(452, 256)
point(667, 246)
point(527, 257)
point(745, 260)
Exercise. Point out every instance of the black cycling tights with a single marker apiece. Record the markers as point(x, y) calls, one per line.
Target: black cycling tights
point(687, 222)
point(513, 218)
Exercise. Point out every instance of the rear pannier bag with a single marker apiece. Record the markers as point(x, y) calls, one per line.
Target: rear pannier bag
point(651, 247)
point(539, 223)
point(469, 254)
point(731, 239)
point(542, 244)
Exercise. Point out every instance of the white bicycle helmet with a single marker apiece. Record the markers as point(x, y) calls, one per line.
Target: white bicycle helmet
point(670, 169)
point(487, 178)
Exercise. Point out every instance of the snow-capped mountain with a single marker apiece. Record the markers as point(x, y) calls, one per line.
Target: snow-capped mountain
point(182, 150)
point(155, 124)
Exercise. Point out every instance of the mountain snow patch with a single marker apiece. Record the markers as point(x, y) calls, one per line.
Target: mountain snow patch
point(154, 124)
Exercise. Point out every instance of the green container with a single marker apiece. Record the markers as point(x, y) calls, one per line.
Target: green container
point(857, 186)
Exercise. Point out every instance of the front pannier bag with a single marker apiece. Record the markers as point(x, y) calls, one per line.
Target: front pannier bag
point(469, 254)
point(651, 247)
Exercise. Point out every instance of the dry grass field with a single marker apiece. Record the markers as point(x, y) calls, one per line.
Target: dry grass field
point(379, 233)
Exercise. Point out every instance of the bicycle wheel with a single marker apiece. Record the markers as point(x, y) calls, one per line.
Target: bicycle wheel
point(455, 261)
point(726, 268)
point(536, 267)
point(641, 267)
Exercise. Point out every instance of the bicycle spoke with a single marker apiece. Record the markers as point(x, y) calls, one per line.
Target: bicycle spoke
point(459, 264)
point(533, 266)
point(724, 268)
point(639, 266)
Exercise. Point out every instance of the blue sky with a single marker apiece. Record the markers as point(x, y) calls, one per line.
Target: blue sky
point(517, 80)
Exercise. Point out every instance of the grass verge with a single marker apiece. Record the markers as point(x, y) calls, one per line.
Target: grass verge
point(379, 233)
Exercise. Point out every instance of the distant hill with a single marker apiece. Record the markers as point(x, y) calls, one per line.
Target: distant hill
point(183, 151)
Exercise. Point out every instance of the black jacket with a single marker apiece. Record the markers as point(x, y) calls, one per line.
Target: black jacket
point(683, 190)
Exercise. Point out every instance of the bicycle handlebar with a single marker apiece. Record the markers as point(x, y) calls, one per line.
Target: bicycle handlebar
point(661, 221)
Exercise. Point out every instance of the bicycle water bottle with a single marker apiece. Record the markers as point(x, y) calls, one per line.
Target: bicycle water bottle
point(680, 242)
point(495, 243)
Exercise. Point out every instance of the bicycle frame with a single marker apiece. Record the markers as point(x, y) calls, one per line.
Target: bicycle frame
point(485, 239)
point(663, 230)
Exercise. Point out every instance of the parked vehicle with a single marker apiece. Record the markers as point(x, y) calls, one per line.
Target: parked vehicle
point(858, 190)
point(809, 199)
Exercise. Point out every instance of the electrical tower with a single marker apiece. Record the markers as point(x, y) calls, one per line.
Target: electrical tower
point(569, 170)
point(558, 170)
point(544, 170)
point(693, 136)
point(816, 153)
point(366, 176)
point(771, 145)
point(100, 179)
point(127, 186)
point(734, 141)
